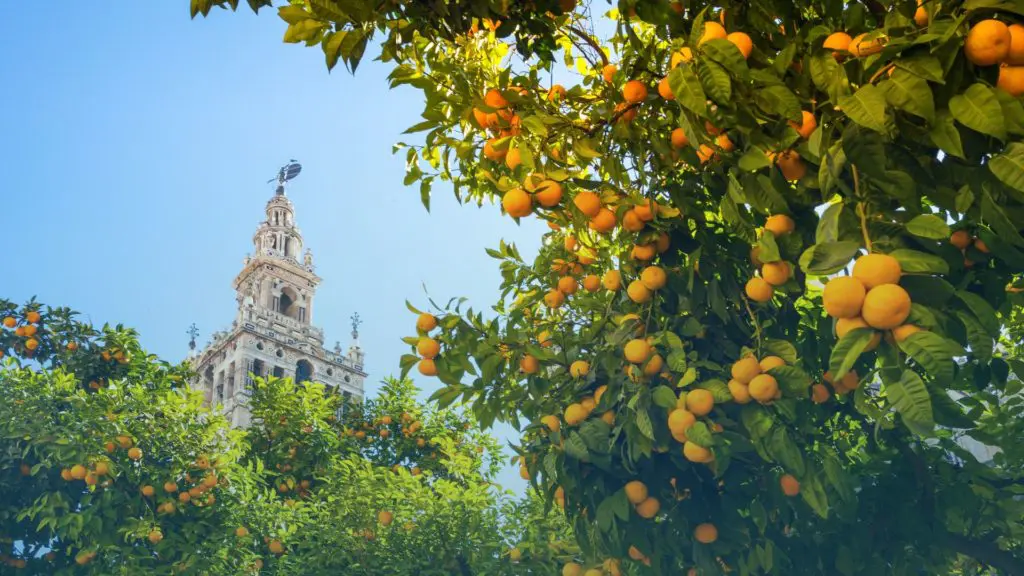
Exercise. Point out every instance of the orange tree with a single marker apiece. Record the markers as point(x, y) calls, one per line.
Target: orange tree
point(785, 249)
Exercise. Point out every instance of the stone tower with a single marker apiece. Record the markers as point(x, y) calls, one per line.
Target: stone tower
point(273, 331)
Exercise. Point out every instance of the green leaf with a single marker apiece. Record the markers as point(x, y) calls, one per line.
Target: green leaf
point(768, 249)
point(914, 262)
point(979, 341)
point(929, 226)
point(606, 514)
point(978, 109)
point(1009, 166)
point(792, 380)
point(838, 477)
point(866, 107)
point(982, 310)
point(595, 433)
point(828, 224)
point(848, 350)
point(535, 125)
point(757, 420)
point(700, 434)
point(664, 396)
point(784, 450)
point(643, 423)
point(687, 89)
point(814, 494)
point(924, 66)
point(905, 91)
point(576, 447)
point(909, 396)
point(779, 100)
point(727, 54)
point(586, 148)
point(715, 81)
point(945, 135)
point(782, 348)
point(930, 352)
point(997, 219)
point(829, 257)
point(947, 411)
point(753, 159)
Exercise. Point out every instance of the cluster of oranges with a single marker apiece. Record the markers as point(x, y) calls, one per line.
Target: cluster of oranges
point(963, 240)
point(751, 379)
point(773, 274)
point(502, 120)
point(27, 330)
point(518, 202)
point(871, 298)
point(991, 42)
point(646, 506)
point(427, 347)
point(577, 412)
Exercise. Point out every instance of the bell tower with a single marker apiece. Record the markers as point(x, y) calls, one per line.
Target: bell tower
point(273, 332)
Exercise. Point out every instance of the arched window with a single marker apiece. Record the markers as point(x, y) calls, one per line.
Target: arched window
point(303, 371)
point(287, 304)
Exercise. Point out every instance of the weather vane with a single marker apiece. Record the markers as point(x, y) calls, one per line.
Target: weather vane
point(287, 173)
point(355, 326)
point(192, 332)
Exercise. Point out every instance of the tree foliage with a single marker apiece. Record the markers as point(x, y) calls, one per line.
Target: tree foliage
point(110, 464)
point(833, 189)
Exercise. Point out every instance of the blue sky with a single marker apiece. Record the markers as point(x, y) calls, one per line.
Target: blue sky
point(136, 146)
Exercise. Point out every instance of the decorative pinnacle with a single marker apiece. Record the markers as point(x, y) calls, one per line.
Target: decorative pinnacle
point(192, 332)
point(355, 325)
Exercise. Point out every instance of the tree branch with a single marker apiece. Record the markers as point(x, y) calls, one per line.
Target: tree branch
point(985, 552)
point(593, 43)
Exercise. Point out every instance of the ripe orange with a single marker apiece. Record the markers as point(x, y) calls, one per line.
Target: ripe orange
point(791, 165)
point(664, 90)
point(679, 139)
point(648, 508)
point(78, 472)
point(901, 333)
point(723, 142)
point(428, 347)
point(712, 31)
point(575, 413)
point(769, 362)
point(567, 285)
point(557, 92)
point(1011, 79)
point(637, 351)
point(637, 292)
point(779, 224)
point(517, 203)
point(604, 222)
point(612, 280)
point(680, 420)
point(548, 193)
point(32, 317)
point(980, 246)
point(10, 322)
point(241, 532)
point(653, 278)
point(837, 42)
point(700, 402)
point(631, 221)
point(961, 239)
point(819, 393)
point(877, 269)
point(886, 306)
point(385, 518)
point(551, 423)
point(579, 368)
point(759, 290)
point(790, 485)
point(763, 388)
point(529, 364)
point(427, 367)
point(591, 283)
point(608, 72)
point(492, 153)
point(155, 536)
point(744, 369)
point(740, 392)
point(644, 252)
point(921, 15)
point(646, 210)
point(743, 42)
point(705, 153)
point(185, 497)
point(634, 92)
point(170, 487)
point(125, 441)
point(147, 491)
point(627, 115)
point(705, 533)
point(276, 547)
point(843, 297)
point(845, 325)
point(776, 273)
point(988, 43)
point(513, 158)
point(31, 344)
point(1015, 57)
point(654, 365)
point(807, 125)
point(860, 46)
point(554, 299)
point(697, 453)
point(636, 554)
point(636, 492)
point(683, 55)
point(494, 99)
point(588, 203)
